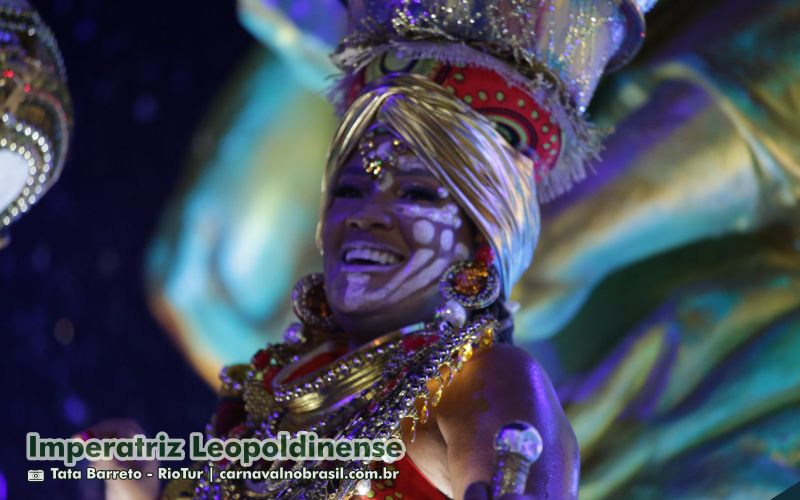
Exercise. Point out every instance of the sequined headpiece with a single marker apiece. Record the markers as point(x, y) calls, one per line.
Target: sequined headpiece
point(530, 66)
point(35, 114)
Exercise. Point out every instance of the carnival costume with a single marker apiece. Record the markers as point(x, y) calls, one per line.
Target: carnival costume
point(668, 280)
point(490, 98)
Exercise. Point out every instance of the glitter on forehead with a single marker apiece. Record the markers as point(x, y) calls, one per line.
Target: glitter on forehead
point(380, 149)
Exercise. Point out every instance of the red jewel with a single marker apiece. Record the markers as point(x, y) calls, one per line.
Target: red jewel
point(229, 414)
point(411, 343)
point(261, 359)
point(391, 385)
point(268, 376)
point(485, 255)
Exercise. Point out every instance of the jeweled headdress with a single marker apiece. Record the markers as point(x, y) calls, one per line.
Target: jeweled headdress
point(531, 66)
point(35, 109)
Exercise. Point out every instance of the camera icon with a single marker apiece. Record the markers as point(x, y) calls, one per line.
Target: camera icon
point(36, 476)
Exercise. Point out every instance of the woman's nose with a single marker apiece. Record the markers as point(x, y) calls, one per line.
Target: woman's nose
point(370, 217)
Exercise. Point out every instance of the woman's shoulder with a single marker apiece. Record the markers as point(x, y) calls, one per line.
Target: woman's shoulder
point(505, 357)
point(501, 366)
point(498, 386)
point(502, 383)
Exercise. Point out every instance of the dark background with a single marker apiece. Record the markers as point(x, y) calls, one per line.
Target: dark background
point(78, 342)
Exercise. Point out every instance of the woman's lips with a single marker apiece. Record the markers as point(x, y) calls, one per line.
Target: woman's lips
point(366, 256)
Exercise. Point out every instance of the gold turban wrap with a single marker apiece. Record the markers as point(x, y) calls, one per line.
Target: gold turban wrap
point(490, 181)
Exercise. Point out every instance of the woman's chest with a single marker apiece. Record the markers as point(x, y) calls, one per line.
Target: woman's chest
point(428, 454)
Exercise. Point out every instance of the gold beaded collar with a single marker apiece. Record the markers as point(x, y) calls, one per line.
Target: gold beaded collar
point(354, 372)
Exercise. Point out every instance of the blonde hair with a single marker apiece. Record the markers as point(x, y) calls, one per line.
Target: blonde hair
point(490, 181)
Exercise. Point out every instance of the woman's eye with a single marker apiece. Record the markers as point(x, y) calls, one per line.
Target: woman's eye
point(347, 191)
point(418, 193)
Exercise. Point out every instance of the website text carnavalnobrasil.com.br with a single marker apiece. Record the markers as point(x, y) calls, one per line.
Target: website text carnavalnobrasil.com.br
point(303, 473)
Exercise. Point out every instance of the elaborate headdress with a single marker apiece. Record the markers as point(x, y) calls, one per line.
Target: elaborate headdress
point(35, 109)
point(530, 66)
point(521, 69)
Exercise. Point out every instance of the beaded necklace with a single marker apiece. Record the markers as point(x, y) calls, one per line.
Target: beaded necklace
point(382, 390)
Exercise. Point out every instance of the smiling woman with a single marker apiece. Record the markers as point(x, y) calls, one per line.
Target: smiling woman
point(430, 215)
point(405, 334)
point(386, 239)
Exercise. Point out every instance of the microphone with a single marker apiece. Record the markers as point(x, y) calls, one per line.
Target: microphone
point(517, 446)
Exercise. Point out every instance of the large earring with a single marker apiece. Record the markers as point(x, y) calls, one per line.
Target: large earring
point(472, 285)
point(310, 303)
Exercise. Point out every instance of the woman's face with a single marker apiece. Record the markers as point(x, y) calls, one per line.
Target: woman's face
point(386, 242)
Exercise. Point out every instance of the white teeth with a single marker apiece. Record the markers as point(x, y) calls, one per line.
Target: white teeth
point(375, 256)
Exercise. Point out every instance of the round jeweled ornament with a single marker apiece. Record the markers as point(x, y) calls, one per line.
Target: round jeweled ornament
point(471, 284)
point(35, 110)
point(310, 303)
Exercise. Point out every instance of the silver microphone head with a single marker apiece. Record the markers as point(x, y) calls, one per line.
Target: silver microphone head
point(520, 438)
point(517, 446)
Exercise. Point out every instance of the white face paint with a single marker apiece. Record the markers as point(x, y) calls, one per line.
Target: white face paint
point(356, 284)
point(406, 213)
point(361, 298)
point(423, 232)
point(446, 240)
point(447, 215)
point(425, 277)
point(386, 182)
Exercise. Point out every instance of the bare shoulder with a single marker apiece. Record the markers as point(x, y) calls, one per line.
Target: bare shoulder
point(507, 362)
point(498, 386)
point(502, 370)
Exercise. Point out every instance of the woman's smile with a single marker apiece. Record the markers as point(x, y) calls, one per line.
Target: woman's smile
point(364, 256)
